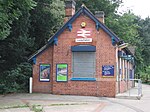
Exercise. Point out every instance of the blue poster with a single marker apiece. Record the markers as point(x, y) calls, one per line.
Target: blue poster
point(131, 74)
point(108, 70)
point(44, 72)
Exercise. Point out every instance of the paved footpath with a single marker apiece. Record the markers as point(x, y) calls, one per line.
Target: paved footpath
point(68, 103)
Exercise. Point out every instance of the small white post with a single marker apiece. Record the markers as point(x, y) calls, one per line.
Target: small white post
point(30, 85)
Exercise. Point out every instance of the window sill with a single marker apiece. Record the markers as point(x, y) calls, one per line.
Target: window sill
point(83, 79)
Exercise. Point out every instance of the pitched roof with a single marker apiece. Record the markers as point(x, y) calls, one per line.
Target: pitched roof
point(68, 24)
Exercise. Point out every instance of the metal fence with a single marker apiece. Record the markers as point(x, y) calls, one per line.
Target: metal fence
point(137, 89)
point(134, 91)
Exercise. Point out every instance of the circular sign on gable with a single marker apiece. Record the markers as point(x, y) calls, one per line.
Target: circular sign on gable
point(83, 24)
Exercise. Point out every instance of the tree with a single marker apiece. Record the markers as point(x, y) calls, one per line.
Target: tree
point(11, 10)
point(108, 6)
point(125, 27)
point(46, 19)
point(144, 32)
point(27, 33)
point(15, 45)
point(26, 25)
point(13, 49)
point(143, 49)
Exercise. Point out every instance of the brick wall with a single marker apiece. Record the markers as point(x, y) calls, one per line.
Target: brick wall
point(125, 85)
point(105, 55)
point(45, 58)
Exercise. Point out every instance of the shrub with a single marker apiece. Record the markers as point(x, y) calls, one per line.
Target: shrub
point(16, 79)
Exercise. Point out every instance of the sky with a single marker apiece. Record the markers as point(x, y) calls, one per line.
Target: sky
point(139, 7)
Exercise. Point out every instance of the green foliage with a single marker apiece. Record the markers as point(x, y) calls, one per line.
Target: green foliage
point(37, 108)
point(26, 25)
point(128, 27)
point(14, 106)
point(145, 75)
point(108, 6)
point(143, 49)
point(11, 10)
point(46, 19)
point(16, 79)
point(16, 47)
point(125, 27)
point(144, 32)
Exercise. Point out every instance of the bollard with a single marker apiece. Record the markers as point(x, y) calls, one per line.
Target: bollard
point(30, 85)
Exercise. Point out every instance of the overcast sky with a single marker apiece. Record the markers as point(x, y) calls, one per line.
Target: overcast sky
point(139, 7)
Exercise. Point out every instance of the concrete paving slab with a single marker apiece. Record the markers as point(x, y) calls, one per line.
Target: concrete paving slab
point(10, 103)
point(74, 108)
point(16, 110)
point(114, 108)
point(70, 103)
point(141, 105)
point(54, 103)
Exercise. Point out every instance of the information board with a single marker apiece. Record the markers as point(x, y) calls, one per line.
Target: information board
point(108, 70)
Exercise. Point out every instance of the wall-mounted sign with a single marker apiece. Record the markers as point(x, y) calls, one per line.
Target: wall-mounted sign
point(83, 24)
point(61, 72)
point(131, 74)
point(108, 70)
point(84, 35)
point(44, 72)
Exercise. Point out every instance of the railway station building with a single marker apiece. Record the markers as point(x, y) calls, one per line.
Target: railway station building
point(84, 57)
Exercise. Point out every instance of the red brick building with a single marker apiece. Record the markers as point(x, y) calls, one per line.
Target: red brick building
point(84, 57)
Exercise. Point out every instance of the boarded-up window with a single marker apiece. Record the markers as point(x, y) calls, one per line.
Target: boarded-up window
point(83, 64)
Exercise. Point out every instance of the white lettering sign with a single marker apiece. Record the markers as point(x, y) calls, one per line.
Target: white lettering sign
point(83, 40)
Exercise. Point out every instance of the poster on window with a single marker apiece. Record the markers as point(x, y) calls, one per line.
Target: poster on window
point(62, 72)
point(108, 70)
point(44, 72)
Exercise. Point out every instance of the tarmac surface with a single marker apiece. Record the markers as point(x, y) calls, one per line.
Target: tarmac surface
point(36, 102)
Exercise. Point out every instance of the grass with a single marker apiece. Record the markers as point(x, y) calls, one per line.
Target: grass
point(37, 108)
point(15, 106)
point(63, 104)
